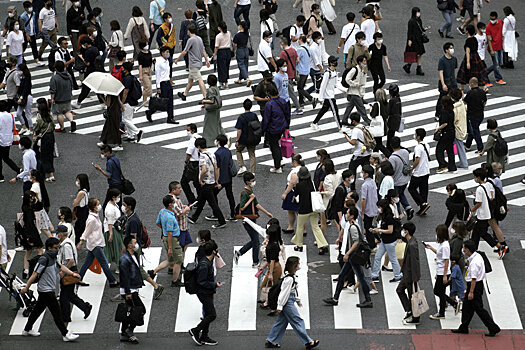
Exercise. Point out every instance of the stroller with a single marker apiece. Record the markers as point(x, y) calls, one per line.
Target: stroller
point(14, 285)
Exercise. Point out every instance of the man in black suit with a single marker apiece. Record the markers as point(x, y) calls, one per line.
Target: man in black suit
point(411, 272)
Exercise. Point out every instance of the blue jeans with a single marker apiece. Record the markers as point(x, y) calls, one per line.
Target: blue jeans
point(97, 252)
point(474, 133)
point(242, 62)
point(253, 244)
point(447, 26)
point(390, 248)
point(245, 11)
point(462, 154)
point(290, 315)
point(402, 198)
point(497, 61)
point(358, 270)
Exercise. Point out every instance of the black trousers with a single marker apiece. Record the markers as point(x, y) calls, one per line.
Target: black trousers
point(4, 155)
point(190, 174)
point(229, 195)
point(378, 74)
point(354, 163)
point(300, 89)
point(446, 143)
point(476, 306)
point(273, 142)
point(32, 43)
point(329, 104)
point(381, 148)
point(68, 297)
point(135, 300)
point(370, 237)
point(46, 300)
point(405, 297)
point(209, 313)
point(418, 189)
point(480, 230)
point(440, 291)
point(208, 195)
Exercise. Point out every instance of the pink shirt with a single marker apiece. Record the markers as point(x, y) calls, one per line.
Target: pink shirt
point(223, 40)
point(93, 234)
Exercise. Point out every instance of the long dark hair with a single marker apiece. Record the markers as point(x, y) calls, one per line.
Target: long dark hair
point(39, 177)
point(43, 110)
point(274, 234)
point(26, 200)
point(83, 180)
point(292, 263)
point(385, 205)
point(25, 71)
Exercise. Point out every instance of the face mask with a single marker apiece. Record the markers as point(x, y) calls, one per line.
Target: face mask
point(284, 69)
point(380, 210)
point(415, 137)
point(166, 55)
point(98, 18)
point(11, 15)
point(268, 40)
point(363, 66)
point(493, 21)
point(136, 247)
point(189, 133)
point(20, 147)
point(17, 27)
point(118, 200)
point(99, 208)
point(77, 4)
point(253, 183)
point(102, 156)
point(334, 64)
point(49, 4)
point(77, 183)
point(403, 233)
point(362, 42)
point(318, 41)
point(58, 217)
point(29, 9)
point(309, 40)
point(451, 51)
point(95, 33)
point(52, 253)
point(396, 200)
point(380, 41)
point(146, 47)
point(170, 20)
point(452, 231)
point(483, 31)
point(418, 14)
point(352, 180)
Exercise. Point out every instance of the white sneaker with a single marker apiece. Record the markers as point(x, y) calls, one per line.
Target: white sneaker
point(344, 129)
point(118, 148)
point(241, 170)
point(315, 127)
point(75, 104)
point(19, 249)
point(276, 171)
point(100, 144)
point(70, 337)
point(40, 64)
point(31, 333)
point(374, 291)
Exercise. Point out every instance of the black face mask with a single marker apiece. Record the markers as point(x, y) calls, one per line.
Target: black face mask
point(49, 4)
point(334, 64)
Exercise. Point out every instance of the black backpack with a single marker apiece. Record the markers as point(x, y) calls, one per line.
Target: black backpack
point(501, 149)
point(32, 264)
point(306, 25)
point(275, 290)
point(190, 278)
point(51, 59)
point(254, 131)
point(286, 32)
point(345, 73)
point(498, 205)
point(488, 266)
point(136, 90)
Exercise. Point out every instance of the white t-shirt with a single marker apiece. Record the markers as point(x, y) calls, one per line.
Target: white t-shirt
point(111, 214)
point(315, 56)
point(15, 42)
point(442, 253)
point(482, 45)
point(296, 32)
point(48, 18)
point(369, 28)
point(265, 27)
point(192, 150)
point(349, 31)
point(3, 244)
point(423, 167)
point(244, 2)
point(483, 212)
point(265, 51)
point(35, 187)
point(357, 134)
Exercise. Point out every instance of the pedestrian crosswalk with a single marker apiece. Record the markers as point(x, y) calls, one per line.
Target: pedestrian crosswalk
point(418, 100)
point(242, 293)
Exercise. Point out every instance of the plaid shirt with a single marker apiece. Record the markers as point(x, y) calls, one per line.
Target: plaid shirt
point(182, 218)
point(276, 116)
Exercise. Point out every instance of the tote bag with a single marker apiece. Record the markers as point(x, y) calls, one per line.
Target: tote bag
point(328, 10)
point(317, 201)
point(419, 302)
point(287, 145)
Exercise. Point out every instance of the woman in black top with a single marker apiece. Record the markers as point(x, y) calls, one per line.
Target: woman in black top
point(394, 114)
point(25, 100)
point(448, 134)
point(303, 191)
point(273, 249)
point(145, 59)
point(240, 47)
point(30, 238)
point(319, 176)
point(415, 42)
point(457, 205)
point(472, 66)
point(375, 64)
point(200, 16)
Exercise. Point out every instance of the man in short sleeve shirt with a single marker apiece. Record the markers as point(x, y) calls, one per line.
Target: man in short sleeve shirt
point(361, 155)
point(418, 187)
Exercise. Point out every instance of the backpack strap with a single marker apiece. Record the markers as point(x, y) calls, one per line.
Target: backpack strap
point(355, 25)
point(398, 156)
point(305, 49)
point(287, 55)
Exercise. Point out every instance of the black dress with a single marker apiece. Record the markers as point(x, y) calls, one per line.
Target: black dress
point(415, 34)
point(478, 68)
point(110, 132)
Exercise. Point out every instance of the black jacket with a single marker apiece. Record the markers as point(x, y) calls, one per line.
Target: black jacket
point(460, 210)
point(130, 276)
point(74, 19)
point(206, 278)
point(303, 189)
point(337, 202)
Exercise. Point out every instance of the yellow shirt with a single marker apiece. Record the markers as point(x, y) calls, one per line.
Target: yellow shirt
point(171, 38)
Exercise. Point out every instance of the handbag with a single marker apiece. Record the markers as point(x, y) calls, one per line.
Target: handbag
point(437, 136)
point(419, 301)
point(264, 291)
point(219, 262)
point(287, 148)
point(16, 134)
point(133, 314)
point(113, 50)
point(424, 36)
point(442, 5)
point(317, 201)
point(127, 185)
point(401, 125)
point(361, 255)
point(95, 267)
point(68, 280)
point(240, 215)
point(410, 57)
point(157, 103)
point(251, 52)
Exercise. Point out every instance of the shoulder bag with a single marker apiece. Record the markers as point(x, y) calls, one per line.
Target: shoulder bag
point(251, 208)
point(361, 255)
point(161, 10)
point(67, 280)
point(140, 29)
point(419, 301)
point(406, 167)
point(114, 49)
point(424, 36)
point(271, 68)
point(127, 186)
point(317, 201)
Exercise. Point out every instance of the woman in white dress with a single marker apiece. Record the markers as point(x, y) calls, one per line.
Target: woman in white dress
point(510, 44)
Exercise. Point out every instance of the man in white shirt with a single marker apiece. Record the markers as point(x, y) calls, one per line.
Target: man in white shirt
point(164, 87)
point(4, 256)
point(6, 139)
point(316, 62)
point(368, 26)
point(191, 168)
point(327, 93)
point(484, 193)
point(418, 187)
point(62, 54)
point(265, 59)
point(29, 161)
point(473, 302)
point(481, 37)
point(296, 31)
point(361, 155)
point(48, 25)
point(348, 35)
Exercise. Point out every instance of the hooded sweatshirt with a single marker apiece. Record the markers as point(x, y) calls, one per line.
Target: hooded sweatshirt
point(61, 85)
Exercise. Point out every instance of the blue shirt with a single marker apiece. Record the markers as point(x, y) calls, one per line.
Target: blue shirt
point(167, 220)
point(303, 67)
point(29, 161)
point(281, 80)
point(224, 157)
point(154, 12)
point(457, 287)
point(113, 170)
point(242, 124)
point(276, 116)
point(369, 192)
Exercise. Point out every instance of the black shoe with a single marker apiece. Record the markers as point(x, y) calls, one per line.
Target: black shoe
point(195, 335)
point(151, 274)
point(82, 284)
point(365, 305)
point(24, 275)
point(440, 33)
point(87, 312)
point(298, 249)
point(182, 96)
point(271, 345)
point(170, 271)
point(177, 284)
point(492, 333)
point(459, 331)
point(312, 345)
point(148, 116)
point(410, 214)
point(461, 31)
point(419, 71)
point(314, 102)
point(423, 209)
point(448, 36)
point(73, 126)
point(406, 68)
point(139, 135)
point(384, 268)
point(208, 341)
point(331, 301)
point(171, 121)
point(289, 232)
point(114, 285)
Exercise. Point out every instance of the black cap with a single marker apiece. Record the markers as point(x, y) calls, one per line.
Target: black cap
point(267, 74)
point(60, 228)
point(332, 59)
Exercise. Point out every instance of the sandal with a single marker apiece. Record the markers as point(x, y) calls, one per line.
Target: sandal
point(238, 82)
point(269, 344)
point(312, 344)
point(298, 249)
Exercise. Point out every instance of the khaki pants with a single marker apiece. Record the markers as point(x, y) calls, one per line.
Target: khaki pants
point(297, 239)
point(52, 37)
point(251, 154)
point(146, 83)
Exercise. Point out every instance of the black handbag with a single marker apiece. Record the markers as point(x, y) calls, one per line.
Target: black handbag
point(361, 255)
point(157, 103)
point(471, 222)
point(437, 136)
point(251, 52)
point(133, 314)
point(127, 186)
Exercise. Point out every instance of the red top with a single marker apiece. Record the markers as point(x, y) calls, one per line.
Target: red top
point(496, 33)
point(290, 56)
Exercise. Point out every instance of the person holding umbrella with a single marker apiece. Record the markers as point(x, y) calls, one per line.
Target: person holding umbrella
point(90, 55)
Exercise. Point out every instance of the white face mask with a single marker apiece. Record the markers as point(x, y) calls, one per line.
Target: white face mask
point(95, 33)
point(29, 9)
point(451, 52)
point(77, 183)
point(20, 147)
point(380, 41)
point(99, 208)
point(170, 20)
point(483, 31)
point(418, 14)
point(363, 66)
point(268, 40)
point(17, 27)
point(396, 200)
point(166, 55)
point(403, 233)
point(363, 42)
point(493, 21)
point(118, 200)
point(146, 47)
point(189, 133)
point(253, 183)
point(216, 143)
point(77, 4)
point(352, 180)
point(11, 15)
point(452, 231)
point(380, 210)
point(318, 41)
point(136, 247)
point(284, 69)
point(309, 40)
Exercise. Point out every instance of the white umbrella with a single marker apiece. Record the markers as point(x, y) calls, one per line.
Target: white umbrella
point(103, 83)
